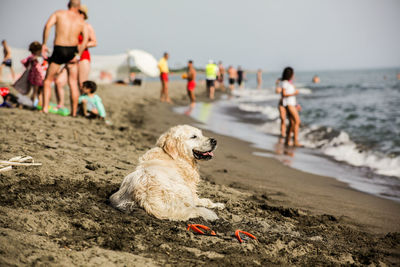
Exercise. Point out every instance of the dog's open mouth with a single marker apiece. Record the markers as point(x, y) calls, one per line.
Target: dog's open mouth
point(203, 155)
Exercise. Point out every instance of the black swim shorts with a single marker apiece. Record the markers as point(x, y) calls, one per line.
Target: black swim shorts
point(210, 83)
point(231, 81)
point(63, 54)
point(7, 62)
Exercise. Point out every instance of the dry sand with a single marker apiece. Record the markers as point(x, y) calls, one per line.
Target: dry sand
point(58, 214)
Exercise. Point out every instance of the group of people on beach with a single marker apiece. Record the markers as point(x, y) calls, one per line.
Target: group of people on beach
point(215, 78)
point(69, 63)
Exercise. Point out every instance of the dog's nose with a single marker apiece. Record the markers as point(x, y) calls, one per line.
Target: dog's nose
point(213, 141)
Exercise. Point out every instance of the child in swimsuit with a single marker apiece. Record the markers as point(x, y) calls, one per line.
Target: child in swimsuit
point(90, 104)
point(36, 73)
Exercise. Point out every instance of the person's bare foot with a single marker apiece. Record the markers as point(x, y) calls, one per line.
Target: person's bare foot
point(169, 101)
point(297, 144)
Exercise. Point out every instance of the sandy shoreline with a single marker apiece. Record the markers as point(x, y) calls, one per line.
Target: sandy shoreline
point(58, 214)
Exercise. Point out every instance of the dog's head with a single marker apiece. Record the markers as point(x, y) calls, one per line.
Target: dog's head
point(184, 141)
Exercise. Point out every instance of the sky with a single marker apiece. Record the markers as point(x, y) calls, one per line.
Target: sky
point(267, 34)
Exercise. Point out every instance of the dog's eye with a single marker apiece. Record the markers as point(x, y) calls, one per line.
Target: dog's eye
point(194, 136)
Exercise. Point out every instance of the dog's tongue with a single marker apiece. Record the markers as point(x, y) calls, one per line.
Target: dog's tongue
point(208, 154)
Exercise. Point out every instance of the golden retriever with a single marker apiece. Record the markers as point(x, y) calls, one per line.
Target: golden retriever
point(165, 181)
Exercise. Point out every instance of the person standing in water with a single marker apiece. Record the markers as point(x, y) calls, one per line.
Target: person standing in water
point(289, 93)
point(221, 76)
point(240, 77)
point(7, 61)
point(232, 75)
point(164, 70)
point(259, 79)
point(68, 25)
point(211, 76)
point(281, 108)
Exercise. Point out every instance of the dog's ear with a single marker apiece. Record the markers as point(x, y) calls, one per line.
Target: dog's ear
point(168, 144)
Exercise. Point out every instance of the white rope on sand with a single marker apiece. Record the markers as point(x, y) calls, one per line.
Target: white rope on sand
point(6, 165)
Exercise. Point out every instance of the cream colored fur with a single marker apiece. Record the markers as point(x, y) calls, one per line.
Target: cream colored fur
point(165, 181)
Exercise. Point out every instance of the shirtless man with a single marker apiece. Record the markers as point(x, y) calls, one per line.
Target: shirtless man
point(68, 25)
point(232, 75)
point(191, 84)
point(7, 60)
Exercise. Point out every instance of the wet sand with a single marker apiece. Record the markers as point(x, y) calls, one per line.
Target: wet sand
point(58, 214)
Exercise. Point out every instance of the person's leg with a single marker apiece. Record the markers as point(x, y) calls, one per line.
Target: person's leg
point(167, 99)
point(50, 77)
point(282, 115)
point(73, 86)
point(192, 98)
point(162, 94)
point(212, 90)
point(34, 92)
point(296, 124)
point(1, 72)
point(61, 81)
point(12, 74)
point(84, 70)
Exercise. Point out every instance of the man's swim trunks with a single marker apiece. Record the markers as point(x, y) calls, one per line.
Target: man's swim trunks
point(63, 54)
point(164, 76)
point(191, 85)
point(231, 81)
point(7, 62)
point(210, 83)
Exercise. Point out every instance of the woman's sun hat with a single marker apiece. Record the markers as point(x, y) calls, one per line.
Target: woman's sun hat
point(84, 10)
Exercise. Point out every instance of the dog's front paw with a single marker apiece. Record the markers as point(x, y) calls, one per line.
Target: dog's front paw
point(219, 206)
point(207, 214)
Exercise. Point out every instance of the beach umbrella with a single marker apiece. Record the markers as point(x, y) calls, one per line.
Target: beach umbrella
point(145, 62)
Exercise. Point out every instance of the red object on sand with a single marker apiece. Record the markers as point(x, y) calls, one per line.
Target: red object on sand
point(237, 234)
point(4, 91)
point(195, 228)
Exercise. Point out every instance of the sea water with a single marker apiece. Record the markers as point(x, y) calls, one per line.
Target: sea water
point(350, 125)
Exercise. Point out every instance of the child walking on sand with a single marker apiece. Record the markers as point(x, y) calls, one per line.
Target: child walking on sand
point(289, 93)
point(36, 71)
point(90, 104)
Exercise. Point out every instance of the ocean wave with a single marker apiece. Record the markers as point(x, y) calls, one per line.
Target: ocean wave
point(338, 145)
point(271, 113)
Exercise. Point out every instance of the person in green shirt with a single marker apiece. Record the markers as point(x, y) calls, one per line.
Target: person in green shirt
point(90, 104)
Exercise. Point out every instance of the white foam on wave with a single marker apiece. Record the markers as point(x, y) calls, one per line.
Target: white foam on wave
point(339, 146)
point(270, 112)
point(342, 148)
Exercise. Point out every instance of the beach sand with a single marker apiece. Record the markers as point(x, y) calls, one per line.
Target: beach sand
point(58, 214)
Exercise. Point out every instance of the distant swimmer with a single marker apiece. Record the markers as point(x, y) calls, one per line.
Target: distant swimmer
point(221, 76)
point(211, 76)
point(68, 25)
point(316, 79)
point(240, 77)
point(7, 61)
point(259, 79)
point(164, 70)
point(232, 75)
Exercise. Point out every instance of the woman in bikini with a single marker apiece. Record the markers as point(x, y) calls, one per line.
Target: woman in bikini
point(289, 93)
